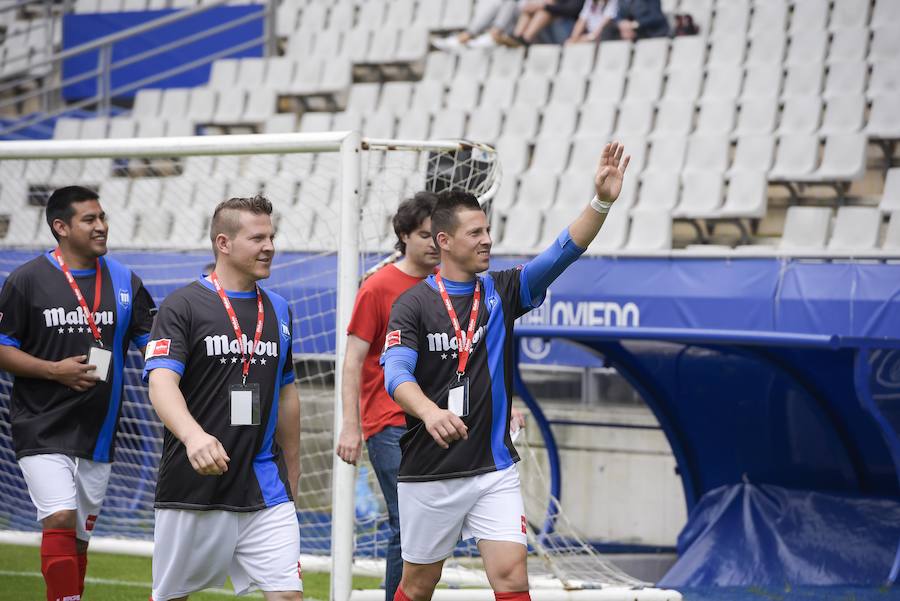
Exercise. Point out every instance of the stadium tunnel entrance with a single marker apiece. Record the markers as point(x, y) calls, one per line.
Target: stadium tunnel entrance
point(787, 446)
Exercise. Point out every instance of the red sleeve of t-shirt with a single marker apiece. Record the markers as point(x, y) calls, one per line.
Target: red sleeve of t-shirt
point(364, 321)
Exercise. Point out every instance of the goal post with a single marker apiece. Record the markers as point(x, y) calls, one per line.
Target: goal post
point(333, 195)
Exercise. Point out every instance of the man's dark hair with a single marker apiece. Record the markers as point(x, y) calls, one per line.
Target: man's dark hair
point(410, 215)
point(449, 203)
point(225, 218)
point(59, 205)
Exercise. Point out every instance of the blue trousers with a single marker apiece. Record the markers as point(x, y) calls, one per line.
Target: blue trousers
point(384, 453)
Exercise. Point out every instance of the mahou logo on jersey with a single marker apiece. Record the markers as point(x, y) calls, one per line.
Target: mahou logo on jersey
point(441, 342)
point(58, 316)
point(223, 345)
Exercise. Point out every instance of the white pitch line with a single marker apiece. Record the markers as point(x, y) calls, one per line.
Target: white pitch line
point(132, 583)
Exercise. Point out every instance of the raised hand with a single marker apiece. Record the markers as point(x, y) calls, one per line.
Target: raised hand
point(610, 172)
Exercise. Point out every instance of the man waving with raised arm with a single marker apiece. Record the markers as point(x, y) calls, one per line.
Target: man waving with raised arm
point(446, 361)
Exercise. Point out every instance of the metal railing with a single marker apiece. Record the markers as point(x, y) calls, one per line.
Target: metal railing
point(105, 92)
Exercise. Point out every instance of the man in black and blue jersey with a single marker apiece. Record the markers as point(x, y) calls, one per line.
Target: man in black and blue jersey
point(447, 362)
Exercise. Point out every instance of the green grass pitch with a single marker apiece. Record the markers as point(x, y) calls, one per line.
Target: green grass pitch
point(121, 577)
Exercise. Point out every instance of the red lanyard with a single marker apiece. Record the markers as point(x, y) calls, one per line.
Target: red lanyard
point(98, 290)
point(464, 344)
point(260, 320)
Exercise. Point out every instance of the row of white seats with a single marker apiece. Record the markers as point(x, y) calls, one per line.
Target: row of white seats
point(342, 15)
point(111, 6)
point(384, 45)
point(204, 105)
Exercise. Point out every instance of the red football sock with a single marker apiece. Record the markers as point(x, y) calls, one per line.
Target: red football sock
point(82, 570)
point(399, 595)
point(59, 564)
point(517, 596)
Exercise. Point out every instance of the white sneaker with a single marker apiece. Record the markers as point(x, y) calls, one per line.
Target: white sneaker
point(450, 43)
point(485, 40)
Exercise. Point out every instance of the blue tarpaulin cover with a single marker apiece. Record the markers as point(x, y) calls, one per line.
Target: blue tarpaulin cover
point(748, 534)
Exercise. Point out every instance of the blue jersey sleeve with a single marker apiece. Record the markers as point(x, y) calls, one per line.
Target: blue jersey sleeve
point(540, 272)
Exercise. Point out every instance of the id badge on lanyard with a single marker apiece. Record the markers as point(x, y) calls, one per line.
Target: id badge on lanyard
point(98, 356)
point(458, 393)
point(243, 397)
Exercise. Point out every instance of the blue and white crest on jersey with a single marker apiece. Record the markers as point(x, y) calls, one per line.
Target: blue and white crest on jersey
point(285, 331)
point(124, 297)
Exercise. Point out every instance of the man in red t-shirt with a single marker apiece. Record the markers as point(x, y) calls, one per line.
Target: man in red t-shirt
point(383, 421)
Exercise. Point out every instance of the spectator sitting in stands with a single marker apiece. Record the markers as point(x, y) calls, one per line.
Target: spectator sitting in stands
point(491, 25)
point(546, 21)
point(593, 18)
point(637, 20)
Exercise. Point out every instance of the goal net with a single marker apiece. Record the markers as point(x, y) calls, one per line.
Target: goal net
point(334, 195)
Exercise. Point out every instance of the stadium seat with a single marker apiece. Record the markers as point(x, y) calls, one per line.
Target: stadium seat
point(576, 187)
point(174, 102)
point(121, 128)
point(796, 157)
point(559, 119)
point(636, 147)
point(650, 231)
point(578, 59)
point(506, 63)
point(650, 55)
point(372, 14)
point(514, 150)
point(532, 89)
point(807, 47)
point(843, 160)
point(846, 77)
point(643, 85)
point(298, 164)
point(767, 49)
point(230, 107)
point(521, 231)
point(379, 124)
point(848, 14)
point(658, 191)
point(886, 11)
point(753, 152)
point(891, 240)
point(747, 196)
point(463, 92)
point(224, 74)
point(800, 115)
point(506, 195)
point(152, 227)
point(551, 153)
point(614, 233)
point(707, 152)
point(328, 43)
point(499, 92)
point(474, 64)
point(885, 41)
point(762, 81)
point(262, 166)
point(94, 129)
point(722, 81)
point(537, 189)
point(363, 96)
point(606, 86)
point(716, 117)
point(855, 229)
point(146, 103)
point(430, 13)
point(727, 50)
point(347, 120)
point(555, 220)
point(730, 17)
point(286, 17)
point(146, 191)
point(439, 66)
point(67, 129)
point(805, 229)
point(635, 118)
point(412, 46)
point(568, 88)
point(683, 83)
point(279, 70)
point(667, 153)
point(883, 122)
point(809, 15)
point(586, 149)
point(803, 80)
point(281, 123)
point(843, 114)
point(542, 60)
point(23, 226)
point(396, 96)
point(448, 124)
point(849, 45)
point(688, 52)
point(66, 171)
point(701, 10)
point(701, 195)
point(890, 198)
point(413, 125)
point(315, 122)
point(400, 12)
point(757, 116)
point(201, 105)
point(614, 56)
point(122, 227)
point(674, 117)
point(261, 104)
point(885, 79)
point(484, 124)
point(768, 16)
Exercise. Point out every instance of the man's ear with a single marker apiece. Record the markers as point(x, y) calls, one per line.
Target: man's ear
point(223, 244)
point(443, 240)
point(60, 227)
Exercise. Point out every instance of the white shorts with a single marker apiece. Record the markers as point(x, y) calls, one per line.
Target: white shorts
point(196, 550)
point(435, 515)
point(58, 483)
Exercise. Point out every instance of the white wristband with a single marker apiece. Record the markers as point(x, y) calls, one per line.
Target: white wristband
point(600, 206)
